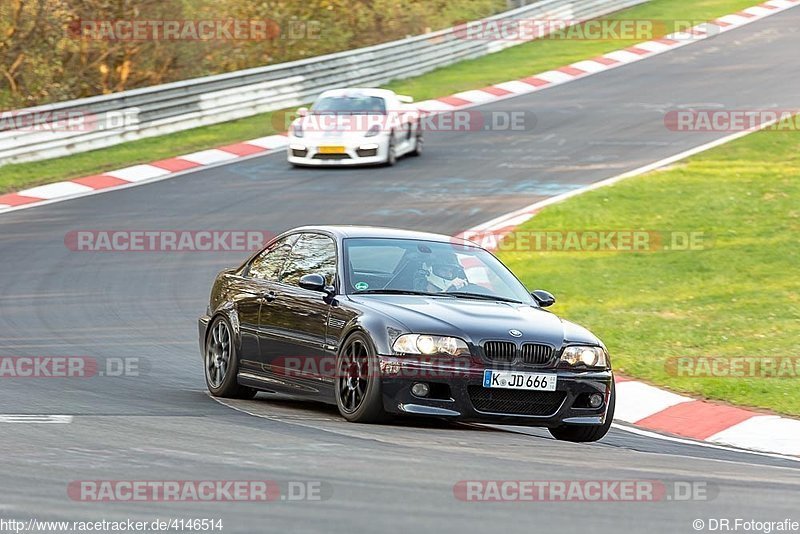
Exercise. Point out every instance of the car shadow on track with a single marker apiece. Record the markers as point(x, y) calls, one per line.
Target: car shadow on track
point(274, 405)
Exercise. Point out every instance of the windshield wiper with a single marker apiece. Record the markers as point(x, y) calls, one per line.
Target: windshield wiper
point(457, 294)
point(393, 292)
point(478, 296)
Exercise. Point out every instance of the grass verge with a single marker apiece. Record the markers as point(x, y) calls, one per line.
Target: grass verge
point(736, 296)
point(515, 62)
point(18, 176)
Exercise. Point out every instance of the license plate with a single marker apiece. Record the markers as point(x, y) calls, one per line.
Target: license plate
point(517, 380)
point(331, 150)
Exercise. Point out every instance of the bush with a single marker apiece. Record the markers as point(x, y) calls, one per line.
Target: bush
point(52, 50)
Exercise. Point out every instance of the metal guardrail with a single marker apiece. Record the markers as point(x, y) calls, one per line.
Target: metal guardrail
point(81, 125)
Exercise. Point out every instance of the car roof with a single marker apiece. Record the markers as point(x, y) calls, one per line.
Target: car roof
point(348, 231)
point(360, 91)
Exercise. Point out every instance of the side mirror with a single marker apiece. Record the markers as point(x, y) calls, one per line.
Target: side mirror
point(315, 282)
point(302, 112)
point(544, 298)
point(405, 99)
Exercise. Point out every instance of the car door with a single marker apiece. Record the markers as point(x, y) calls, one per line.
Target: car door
point(260, 276)
point(247, 298)
point(401, 129)
point(407, 129)
point(294, 331)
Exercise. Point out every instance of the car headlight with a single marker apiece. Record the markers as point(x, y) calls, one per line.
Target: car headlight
point(297, 130)
point(585, 356)
point(373, 131)
point(429, 345)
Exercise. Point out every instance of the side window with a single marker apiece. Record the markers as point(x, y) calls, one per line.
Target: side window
point(313, 253)
point(269, 263)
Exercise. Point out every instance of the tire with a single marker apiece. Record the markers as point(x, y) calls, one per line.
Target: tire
point(391, 153)
point(358, 384)
point(221, 362)
point(418, 145)
point(587, 433)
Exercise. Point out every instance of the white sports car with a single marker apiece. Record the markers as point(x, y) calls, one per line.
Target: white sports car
point(355, 127)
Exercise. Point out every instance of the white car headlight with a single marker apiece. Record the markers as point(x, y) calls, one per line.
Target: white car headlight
point(430, 345)
point(373, 131)
point(586, 356)
point(297, 130)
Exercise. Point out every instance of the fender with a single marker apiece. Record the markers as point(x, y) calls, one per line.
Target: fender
point(228, 310)
point(381, 330)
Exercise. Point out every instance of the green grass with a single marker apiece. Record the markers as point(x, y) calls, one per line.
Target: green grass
point(516, 62)
point(739, 296)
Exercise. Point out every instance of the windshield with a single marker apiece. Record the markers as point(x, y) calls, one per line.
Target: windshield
point(383, 265)
point(357, 104)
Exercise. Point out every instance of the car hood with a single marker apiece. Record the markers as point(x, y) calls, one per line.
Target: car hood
point(476, 320)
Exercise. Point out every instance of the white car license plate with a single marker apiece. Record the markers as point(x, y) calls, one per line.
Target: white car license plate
point(519, 380)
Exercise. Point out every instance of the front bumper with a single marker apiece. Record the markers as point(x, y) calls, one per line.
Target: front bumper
point(358, 151)
point(456, 382)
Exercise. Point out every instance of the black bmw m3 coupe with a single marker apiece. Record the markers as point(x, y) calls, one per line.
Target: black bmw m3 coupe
point(391, 322)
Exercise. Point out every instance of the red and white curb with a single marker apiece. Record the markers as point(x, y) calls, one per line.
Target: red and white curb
point(167, 168)
point(608, 61)
point(655, 409)
point(147, 172)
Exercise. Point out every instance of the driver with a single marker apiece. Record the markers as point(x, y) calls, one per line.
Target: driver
point(445, 275)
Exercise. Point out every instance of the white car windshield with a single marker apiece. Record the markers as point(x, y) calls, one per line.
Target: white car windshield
point(385, 265)
point(350, 105)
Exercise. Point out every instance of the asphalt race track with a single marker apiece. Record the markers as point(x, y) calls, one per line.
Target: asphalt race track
point(399, 478)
